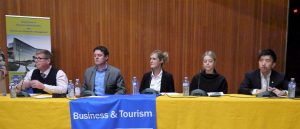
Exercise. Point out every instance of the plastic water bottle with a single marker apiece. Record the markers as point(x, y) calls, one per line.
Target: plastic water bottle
point(13, 87)
point(292, 88)
point(13, 90)
point(135, 86)
point(70, 89)
point(186, 86)
point(77, 88)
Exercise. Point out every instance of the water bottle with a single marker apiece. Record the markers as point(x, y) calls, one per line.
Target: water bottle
point(70, 89)
point(77, 88)
point(186, 87)
point(291, 88)
point(135, 86)
point(13, 90)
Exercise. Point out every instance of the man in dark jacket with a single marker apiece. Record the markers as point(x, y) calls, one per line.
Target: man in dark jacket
point(264, 78)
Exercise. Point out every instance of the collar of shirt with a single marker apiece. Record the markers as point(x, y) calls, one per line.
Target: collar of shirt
point(102, 70)
point(156, 81)
point(265, 81)
point(265, 77)
point(158, 76)
point(47, 71)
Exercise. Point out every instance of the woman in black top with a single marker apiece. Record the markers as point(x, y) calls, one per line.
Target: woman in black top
point(158, 79)
point(208, 79)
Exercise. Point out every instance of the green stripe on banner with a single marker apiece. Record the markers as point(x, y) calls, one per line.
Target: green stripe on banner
point(30, 26)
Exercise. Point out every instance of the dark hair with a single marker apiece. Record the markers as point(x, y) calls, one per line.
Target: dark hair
point(47, 53)
point(267, 52)
point(102, 49)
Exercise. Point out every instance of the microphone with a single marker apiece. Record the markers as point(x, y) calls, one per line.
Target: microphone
point(150, 91)
point(198, 92)
point(266, 94)
point(87, 93)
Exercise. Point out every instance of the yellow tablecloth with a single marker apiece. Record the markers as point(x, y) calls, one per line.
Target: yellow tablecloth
point(227, 112)
point(31, 113)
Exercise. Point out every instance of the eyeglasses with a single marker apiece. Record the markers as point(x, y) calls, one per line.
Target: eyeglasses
point(38, 58)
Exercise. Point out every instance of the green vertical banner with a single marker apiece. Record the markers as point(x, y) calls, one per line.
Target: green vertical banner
point(25, 35)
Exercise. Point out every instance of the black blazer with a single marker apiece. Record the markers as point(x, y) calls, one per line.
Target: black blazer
point(167, 82)
point(253, 81)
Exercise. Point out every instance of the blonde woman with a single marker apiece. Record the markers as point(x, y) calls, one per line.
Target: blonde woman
point(158, 79)
point(209, 79)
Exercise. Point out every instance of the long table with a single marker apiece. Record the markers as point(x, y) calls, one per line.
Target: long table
point(32, 113)
point(173, 112)
point(227, 112)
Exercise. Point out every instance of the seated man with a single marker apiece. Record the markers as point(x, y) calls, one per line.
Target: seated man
point(102, 78)
point(45, 78)
point(264, 78)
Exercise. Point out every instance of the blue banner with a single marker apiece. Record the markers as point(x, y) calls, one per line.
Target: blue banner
point(114, 112)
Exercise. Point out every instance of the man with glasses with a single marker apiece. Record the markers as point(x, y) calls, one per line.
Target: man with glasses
point(45, 78)
point(264, 78)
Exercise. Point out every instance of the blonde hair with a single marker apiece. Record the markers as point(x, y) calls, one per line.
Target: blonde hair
point(210, 54)
point(164, 56)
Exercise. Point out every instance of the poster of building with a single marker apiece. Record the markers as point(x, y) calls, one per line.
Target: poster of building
point(25, 35)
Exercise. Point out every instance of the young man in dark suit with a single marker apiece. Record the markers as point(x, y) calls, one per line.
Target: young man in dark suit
point(264, 78)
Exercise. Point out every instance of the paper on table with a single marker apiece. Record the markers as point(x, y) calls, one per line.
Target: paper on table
point(214, 94)
point(42, 96)
point(97, 96)
point(170, 93)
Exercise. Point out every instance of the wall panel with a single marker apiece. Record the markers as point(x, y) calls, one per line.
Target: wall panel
point(235, 29)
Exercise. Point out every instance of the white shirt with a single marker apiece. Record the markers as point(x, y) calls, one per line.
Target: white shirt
point(265, 82)
point(61, 81)
point(156, 81)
